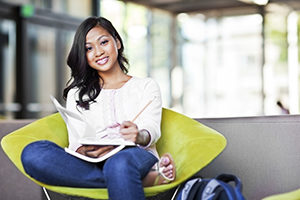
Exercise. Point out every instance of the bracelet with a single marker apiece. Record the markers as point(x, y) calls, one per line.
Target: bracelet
point(143, 137)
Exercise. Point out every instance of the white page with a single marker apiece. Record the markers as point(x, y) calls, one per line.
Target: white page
point(95, 160)
point(68, 116)
point(89, 135)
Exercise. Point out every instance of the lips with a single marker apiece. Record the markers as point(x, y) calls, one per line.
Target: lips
point(102, 61)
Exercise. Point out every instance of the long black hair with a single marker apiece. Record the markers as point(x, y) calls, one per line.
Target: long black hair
point(84, 77)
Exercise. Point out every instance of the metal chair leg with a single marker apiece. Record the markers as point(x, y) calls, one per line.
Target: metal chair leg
point(46, 193)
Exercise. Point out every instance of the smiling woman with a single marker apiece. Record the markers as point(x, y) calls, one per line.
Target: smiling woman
point(102, 93)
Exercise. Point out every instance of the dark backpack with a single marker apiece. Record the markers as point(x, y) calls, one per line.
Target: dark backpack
point(211, 189)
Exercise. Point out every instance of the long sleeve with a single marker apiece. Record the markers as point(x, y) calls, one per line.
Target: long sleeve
point(150, 119)
point(78, 127)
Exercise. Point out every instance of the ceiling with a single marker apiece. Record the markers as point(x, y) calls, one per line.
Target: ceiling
point(183, 6)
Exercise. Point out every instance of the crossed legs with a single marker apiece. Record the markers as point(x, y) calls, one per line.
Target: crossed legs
point(122, 174)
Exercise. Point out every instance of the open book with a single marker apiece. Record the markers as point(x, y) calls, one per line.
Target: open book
point(89, 136)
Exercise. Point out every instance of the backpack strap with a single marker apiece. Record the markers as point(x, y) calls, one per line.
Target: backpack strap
point(208, 191)
point(188, 186)
point(236, 190)
point(229, 177)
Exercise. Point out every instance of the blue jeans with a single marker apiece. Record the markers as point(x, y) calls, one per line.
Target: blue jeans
point(121, 174)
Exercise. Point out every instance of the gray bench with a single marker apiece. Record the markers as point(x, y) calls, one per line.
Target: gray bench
point(263, 151)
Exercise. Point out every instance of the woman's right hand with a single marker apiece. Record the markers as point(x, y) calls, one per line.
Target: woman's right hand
point(94, 151)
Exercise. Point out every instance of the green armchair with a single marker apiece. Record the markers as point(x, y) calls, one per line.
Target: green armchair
point(191, 144)
point(292, 195)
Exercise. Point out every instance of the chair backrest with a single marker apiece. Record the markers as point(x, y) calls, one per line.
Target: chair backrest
point(192, 144)
point(50, 128)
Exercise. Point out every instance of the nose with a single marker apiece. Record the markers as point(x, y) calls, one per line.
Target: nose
point(99, 50)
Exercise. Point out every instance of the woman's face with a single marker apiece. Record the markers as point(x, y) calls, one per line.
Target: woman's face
point(101, 50)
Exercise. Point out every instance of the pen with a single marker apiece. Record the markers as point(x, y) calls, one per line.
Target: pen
point(143, 109)
point(117, 124)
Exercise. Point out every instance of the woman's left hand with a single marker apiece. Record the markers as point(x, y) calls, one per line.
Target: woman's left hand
point(129, 131)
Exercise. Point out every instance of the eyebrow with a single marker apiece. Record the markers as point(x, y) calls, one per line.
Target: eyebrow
point(99, 38)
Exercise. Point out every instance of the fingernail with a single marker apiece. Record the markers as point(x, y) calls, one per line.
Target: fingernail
point(165, 160)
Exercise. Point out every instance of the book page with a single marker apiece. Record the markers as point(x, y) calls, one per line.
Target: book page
point(95, 160)
point(105, 141)
point(89, 136)
point(71, 117)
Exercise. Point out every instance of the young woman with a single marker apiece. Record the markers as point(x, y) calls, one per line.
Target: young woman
point(103, 93)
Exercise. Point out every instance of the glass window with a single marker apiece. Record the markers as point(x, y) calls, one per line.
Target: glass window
point(276, 68)
point(115, 11)
point(221, 62)
point(19, 1)
point(193, 58)
point(48, 70)
point(136, 28)
point(41, 68)
point(161, 44)
point(7, 69)
point(66, 44)
point(76, 8)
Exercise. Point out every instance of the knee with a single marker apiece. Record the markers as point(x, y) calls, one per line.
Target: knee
point(33, 155)
point(119, 164)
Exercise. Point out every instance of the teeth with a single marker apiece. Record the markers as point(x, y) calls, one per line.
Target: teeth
point(102, 61)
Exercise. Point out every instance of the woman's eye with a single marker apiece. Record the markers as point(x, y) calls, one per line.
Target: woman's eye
point(104, 42)
point(88, 48)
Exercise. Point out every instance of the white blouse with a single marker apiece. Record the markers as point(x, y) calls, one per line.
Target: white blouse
point(114, 106)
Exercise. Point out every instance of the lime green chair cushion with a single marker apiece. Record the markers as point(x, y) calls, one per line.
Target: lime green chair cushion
point(293, 195)
point(191, 144)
